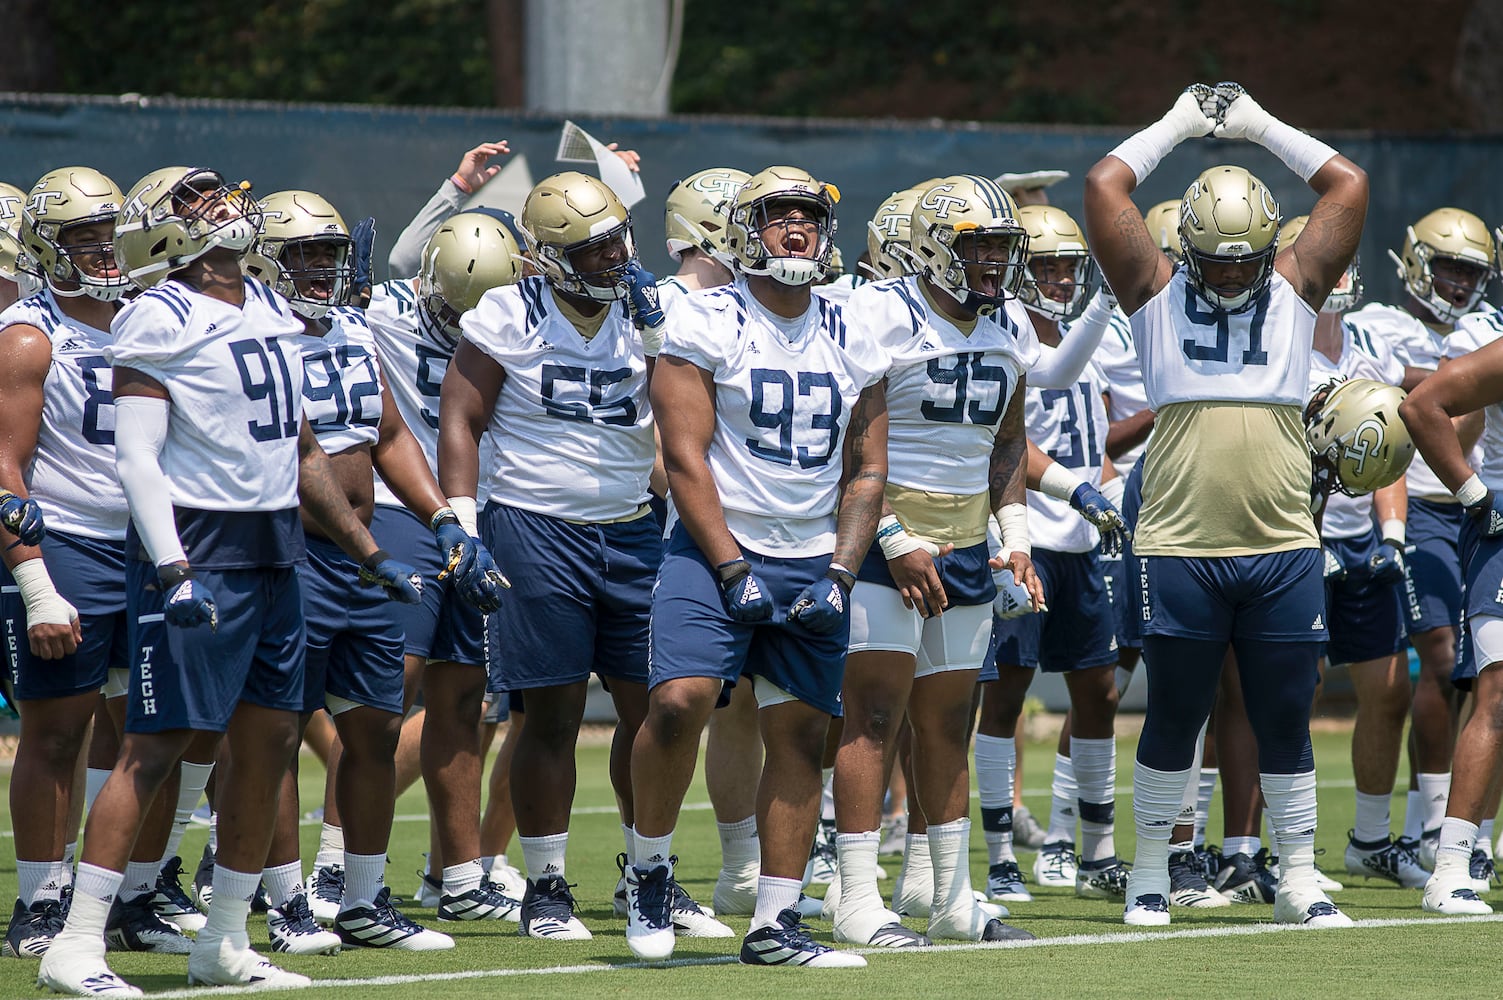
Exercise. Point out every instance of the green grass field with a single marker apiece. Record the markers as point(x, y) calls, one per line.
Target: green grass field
point(1228, 952)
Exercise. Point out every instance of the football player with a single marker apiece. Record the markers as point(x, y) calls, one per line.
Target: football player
point(213, 454)
point(1446, 263)
point(774, 430)
point(921, 610)
point(694, 220)
point(1232, 560)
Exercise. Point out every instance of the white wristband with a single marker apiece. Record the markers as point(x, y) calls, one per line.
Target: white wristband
point(1113, 489)
point(1304, 154)
point(1393, 531)
point(464, 509)
point(1059, 482)
point(896, 541)
point(44, 605)
point(1472, 491)
point(1012, 520)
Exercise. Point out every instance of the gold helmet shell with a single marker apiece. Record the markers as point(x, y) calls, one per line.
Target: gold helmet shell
point(949, 219)
point(1353, 429)
point(471, 253)
point(1451, 234)
point(1348, 291)
point(62, 200)
point(567, 214)
point(15, 265)
point(750, 217)
point(1228, 216)
point(698, 209)
point(1162, 221)
point(295, 223)
point(888, 235)
point(175, 215)
point(1053, 233)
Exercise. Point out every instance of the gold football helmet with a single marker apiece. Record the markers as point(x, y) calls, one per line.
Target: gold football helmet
point(1348, 291)
point(471, 253)
point(751, 217)
point(1162, 221)
point(698, 208)
point(304, 252)
point(952, 223)
point(1053, 234)
point(175, 215)
point(1229, 217)
point(888, 236)
point(571, 214)
point(59, 204)
point(1354, 431)
point(1447, 234)
point(15, 265)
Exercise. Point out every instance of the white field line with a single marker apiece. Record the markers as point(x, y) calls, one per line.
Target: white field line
point(1068, 941)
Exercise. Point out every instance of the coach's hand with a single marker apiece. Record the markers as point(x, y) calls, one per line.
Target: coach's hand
point(1101, 512)
point(482, 585)
point(22, 517)
point(824, 605)
point(1386, 564)
point(188, 603)
point(400, 581)
point(746, 597)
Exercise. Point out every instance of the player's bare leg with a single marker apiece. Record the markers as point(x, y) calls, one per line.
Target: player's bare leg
point(733, 763)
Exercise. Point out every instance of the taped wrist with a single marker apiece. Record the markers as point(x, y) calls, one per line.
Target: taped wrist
point(1059, 482)
point(463, 508)
point(1012, 520)
point(1472, 492)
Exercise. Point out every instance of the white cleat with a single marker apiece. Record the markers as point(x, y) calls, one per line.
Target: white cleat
point(649, 921)
point(217, 960)
point(692, 920)
point(1307, 905)
point(1004, 884)
point(1148, 910)
point(507, 877)
point(293, 931)
point(81, 972)
point(1188, 886)
point(1450, 891)
point(1388, 860)
point(735, 893)
point(1055, 865)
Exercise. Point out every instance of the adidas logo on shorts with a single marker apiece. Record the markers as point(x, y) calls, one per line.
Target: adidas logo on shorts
point(1318, 624)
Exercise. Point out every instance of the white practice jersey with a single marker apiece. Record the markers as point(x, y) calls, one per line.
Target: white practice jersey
point(671, 290)
point(1117, 360)
point(838, 291)
point(946, 390)
point(783, 401)
point(1478, 329)
point(1188, 350)
point(1068, 425)
point(236, 381)
point(342, 382)
point(1362, 356)
point(72, 471)
point(414, 355)
point(572, 426)
point(1416, 346)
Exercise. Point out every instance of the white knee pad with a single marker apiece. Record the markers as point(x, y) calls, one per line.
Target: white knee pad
point(1487, 640)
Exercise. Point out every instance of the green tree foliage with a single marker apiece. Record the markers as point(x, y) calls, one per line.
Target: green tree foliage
point(391, 52)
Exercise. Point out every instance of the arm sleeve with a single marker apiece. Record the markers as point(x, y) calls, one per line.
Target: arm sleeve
point(407, 255)
point(1060, 367)
point(140, 432)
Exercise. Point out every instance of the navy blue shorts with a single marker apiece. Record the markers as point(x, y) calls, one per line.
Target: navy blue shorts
point(1482, 564)
point(1129, 605)
point(966, 577)
point(580, 597)
point(1432, 592)
point(354, 642)
point(1114, 579)
point(443, 626)
point(694, 636)
point(1277, 597)
point(89, 573)
point(193, 678)
point(1078, 631)
point(1365, 619)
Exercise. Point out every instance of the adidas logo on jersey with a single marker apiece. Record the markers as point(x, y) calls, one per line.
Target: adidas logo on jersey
point(1318, 624)
point(752, 348)
point(546, 345)
point(73, 345)
point(926, 346)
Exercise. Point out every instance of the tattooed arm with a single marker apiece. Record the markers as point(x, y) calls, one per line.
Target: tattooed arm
point(324, 499)
point(1316, 261)
point(1007, 483)
point(1131, 261)
point(864, 476)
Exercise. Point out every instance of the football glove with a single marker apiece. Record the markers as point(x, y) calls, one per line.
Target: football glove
point(22, 518)
point(747, 599)
point(400, 581)
point(455, 543)
point(1097, 509)
point(642, 296)
point(363, 243)
point(822, 607)
point(1386, 564)
point(1331, 567)
point(188, 603)
point(1487, 512)
point(1012, 600)
point(483, 584)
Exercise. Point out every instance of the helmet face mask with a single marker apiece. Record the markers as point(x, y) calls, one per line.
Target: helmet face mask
point(1061, 274)
point(966, 233)
point(1356, 435)
point(1228, 229)
point(227, 217)
point(67, 232)
point(782, 226)
point(175, 215)
point(304, 253)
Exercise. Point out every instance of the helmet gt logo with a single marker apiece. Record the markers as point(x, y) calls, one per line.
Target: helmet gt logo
point(1367, 440)
point(939, 203)
point(717, 184)
point(1270, 207)
point(889, 223)
point(37, 203)
point(10, 207)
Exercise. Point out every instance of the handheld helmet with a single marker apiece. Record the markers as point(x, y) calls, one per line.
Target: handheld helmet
point(1354, 430)
point(175, 215)
point(1053, 234)
point(951, 223)
point(1228, 216)
point(471, 253)
point(572, 214)
point(61, 203)
point(698, 209)
point(1446, 234)
point(752, 216)
point(304, 252)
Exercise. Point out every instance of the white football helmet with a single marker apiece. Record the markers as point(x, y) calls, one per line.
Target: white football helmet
point(698, 209)
point(1354, 430)
point(1348, 291)
point(304, 253)
point(1053, 234)
point(471, 253)
point(751, 217)
point(950, 221)
point(1162, 221)
point(888, 244)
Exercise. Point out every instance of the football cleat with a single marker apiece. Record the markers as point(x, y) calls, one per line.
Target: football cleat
point(894, 835)
point(1004, 883)
point(1055, 865)
point(808, 906)
point(821, 867)
point(1209, 856)
point(875, 927)
point(134, 926)
point(1026, 831)
point(787, 943)
point(735, 893)
point(973, 922)
point(220, 960)
point(1307, 905)
point(1450, 891)
point(1149, 910)
point(487, 902)
point(203, 880)
point(430, 892)
point(1188, 886)
point(1246, 879)
point(507, 878)
point(83, 973)
point(692, 920)
point(1101, 879)
point(1384, 859)
point(172, 903)
point(384, 926)
point(548, 911)
point(996, 930)
point(1429, 843)
point(32, 928)
point(293, 930)
point(1482, 871)
point(326, 893)
point(649, 904)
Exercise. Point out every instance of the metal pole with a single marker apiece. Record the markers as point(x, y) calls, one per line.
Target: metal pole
point(597, 56)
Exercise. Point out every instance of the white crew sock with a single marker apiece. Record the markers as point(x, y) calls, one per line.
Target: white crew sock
point(856, 859)
point(774, 895)
point(39, 880)
point(1414, 815)
point(140, 880)
point(544, 856)
point(1205, 788)
point(1241, 845)
point(283, 882)
point(1457, 839)
point(630, 839)
point(190, 788)
point(462, 878)
point(1434, 789)
point(1485, 837)
point(651, 852)
point(740, 850)
point(1373, 820)
point(364, 875)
